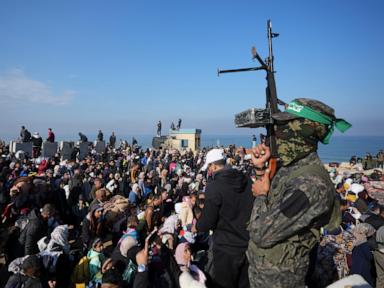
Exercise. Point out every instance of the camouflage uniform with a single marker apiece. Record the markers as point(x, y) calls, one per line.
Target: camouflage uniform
point(284, 224)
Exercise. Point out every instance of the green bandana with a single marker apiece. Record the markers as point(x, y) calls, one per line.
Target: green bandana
point(308, 113)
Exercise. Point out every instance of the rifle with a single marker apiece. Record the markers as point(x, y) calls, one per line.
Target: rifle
point(256, 117)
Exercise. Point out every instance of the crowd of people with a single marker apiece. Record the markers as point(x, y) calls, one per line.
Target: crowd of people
point(55, 212)
point(355, 246)
point(132, 217)
point(369, 161)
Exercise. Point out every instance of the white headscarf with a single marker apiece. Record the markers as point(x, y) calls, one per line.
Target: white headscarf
point(59, 237)
point(135, 188)
point(127, 244)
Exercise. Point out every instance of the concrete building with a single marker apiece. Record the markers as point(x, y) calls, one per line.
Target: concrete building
point(184, 139)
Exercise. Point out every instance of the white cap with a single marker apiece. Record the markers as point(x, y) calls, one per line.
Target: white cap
point(213, 156)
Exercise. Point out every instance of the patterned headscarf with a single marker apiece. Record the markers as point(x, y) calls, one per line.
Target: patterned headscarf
point(129, 233)
point(361, 232)
point(59, 237)
point(380, 237)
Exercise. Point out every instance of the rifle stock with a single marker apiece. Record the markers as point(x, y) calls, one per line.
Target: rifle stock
point(272, 166)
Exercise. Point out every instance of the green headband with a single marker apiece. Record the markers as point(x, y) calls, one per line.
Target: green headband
point(309, 113)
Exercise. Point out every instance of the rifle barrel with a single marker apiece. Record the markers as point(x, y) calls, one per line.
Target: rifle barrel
point(241, 70)
point(270, 36)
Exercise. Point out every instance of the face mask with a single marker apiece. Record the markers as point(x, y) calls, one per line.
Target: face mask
point(296, 139)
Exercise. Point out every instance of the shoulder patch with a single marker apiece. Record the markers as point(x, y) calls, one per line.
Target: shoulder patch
point(296, 203)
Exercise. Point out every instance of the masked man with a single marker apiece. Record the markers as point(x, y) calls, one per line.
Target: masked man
point(288, 212)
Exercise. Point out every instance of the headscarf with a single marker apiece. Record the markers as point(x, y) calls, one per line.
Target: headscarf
point(179, 254)
point(199, 177)
point(96, 241)
point(164, 173)
point(187, 200)
point(186, 266)
point(56, 171)
point(361, 232)
point(135, 188)
point(129, 233)
point(168, 187)
point(380, 238)
point(127, 243)
point(59, 237)
point(170, 225)
point(42, 167)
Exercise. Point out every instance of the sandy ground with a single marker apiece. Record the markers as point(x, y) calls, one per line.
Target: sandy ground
point(345, 167)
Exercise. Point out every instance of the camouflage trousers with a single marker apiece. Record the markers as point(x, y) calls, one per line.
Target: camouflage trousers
point(262, 274)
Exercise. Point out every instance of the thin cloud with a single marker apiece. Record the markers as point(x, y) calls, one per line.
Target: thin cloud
point(17, 87)
point(73, 76)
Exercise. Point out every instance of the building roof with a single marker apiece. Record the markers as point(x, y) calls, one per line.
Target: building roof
point(185, 131)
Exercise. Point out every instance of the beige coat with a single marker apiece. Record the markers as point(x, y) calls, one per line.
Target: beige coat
point(186, 214)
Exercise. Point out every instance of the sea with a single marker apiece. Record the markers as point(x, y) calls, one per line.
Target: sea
point(340, 148)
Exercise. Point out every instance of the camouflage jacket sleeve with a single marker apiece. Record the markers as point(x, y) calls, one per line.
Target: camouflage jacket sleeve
point(302, 201)
point(259, 208)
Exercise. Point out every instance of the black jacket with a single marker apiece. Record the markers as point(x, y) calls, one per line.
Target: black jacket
point(36, 229)
point(228, 207)
point(87, 235)
point(141, 280)
point(37, 141)
point(112, 140)
point(120, 262)
point(19, 280)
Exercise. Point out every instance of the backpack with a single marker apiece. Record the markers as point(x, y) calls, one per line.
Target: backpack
point(81, 273)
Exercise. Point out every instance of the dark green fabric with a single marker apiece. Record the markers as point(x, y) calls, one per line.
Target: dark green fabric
point(311, 114)
point(277, 253)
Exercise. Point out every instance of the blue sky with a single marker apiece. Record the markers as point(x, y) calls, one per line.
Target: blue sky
point(123, 65)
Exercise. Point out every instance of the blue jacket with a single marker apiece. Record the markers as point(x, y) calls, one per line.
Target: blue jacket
point(132, 198)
